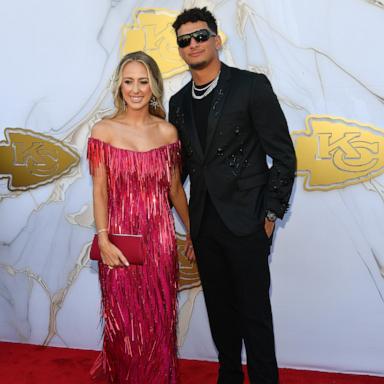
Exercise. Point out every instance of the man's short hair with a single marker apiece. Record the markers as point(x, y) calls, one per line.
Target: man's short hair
point(193, 15)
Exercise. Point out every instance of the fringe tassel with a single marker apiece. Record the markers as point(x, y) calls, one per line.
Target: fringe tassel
point(139, 302)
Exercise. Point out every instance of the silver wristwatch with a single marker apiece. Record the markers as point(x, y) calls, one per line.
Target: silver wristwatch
point(270, 216)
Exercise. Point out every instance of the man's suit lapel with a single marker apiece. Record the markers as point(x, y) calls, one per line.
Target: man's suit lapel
point(190, 121)
point(220, 94)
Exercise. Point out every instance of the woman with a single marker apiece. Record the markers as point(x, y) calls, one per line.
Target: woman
point(134, 161)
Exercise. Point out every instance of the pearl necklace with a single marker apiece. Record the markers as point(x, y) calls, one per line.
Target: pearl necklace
point(208, 89)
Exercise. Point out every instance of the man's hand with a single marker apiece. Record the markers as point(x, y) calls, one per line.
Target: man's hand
point(268, 227)
point(189, 251)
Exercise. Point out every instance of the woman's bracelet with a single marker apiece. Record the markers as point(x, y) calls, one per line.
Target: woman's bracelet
point(102, 230)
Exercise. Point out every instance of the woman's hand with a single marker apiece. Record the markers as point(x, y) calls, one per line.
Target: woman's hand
point(110, 254)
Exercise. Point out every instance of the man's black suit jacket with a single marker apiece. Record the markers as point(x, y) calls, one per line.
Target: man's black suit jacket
point(245, 124)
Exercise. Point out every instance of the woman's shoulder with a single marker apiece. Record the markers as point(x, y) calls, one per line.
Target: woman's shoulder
point(102, 129)
point(168, 130)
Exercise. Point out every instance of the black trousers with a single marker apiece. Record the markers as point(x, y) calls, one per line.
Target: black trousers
point(234, 272)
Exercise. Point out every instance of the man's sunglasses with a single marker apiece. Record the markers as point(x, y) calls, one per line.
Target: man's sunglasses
point(200, 36)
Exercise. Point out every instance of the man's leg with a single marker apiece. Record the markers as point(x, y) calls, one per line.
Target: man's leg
point(248, 257)
point(219, 295)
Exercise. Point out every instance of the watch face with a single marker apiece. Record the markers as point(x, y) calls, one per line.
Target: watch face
point(271, 216)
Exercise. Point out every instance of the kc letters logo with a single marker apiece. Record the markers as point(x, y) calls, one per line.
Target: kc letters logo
point(30, 159)
point(334, 153)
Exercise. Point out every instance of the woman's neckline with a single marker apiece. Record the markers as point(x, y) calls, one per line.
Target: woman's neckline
point(134, 150)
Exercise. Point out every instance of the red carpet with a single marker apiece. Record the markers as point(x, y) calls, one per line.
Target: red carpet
point(30, 364)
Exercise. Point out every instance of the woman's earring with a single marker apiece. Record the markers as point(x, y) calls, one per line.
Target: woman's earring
point(124, 105)
point(153, 102)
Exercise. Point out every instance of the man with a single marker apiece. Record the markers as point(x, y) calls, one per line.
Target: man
point(228, 121)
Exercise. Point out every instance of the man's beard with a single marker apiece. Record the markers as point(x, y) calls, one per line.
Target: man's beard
point(198, 66)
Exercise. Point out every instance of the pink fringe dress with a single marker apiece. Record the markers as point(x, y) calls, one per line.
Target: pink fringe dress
point(139, 302)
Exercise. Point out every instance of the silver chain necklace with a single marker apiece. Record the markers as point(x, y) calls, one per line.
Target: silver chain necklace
point(208, 89)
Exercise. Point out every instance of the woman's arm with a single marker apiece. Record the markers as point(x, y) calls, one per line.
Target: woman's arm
point(110, 254)
point(179, 201)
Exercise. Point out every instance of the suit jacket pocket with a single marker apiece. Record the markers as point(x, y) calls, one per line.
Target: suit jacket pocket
point(252, 181)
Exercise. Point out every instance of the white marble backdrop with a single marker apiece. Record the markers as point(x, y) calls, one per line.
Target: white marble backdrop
point(322, 57)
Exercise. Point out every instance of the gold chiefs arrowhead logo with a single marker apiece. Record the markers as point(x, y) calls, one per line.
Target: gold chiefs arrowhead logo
point(152, 33)
point(29, 159)
point(334, 153)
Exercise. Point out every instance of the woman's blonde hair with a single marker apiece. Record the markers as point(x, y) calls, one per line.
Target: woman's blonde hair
point(156, 107)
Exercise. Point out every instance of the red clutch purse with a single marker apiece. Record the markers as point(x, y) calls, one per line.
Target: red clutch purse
point(131, 246)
